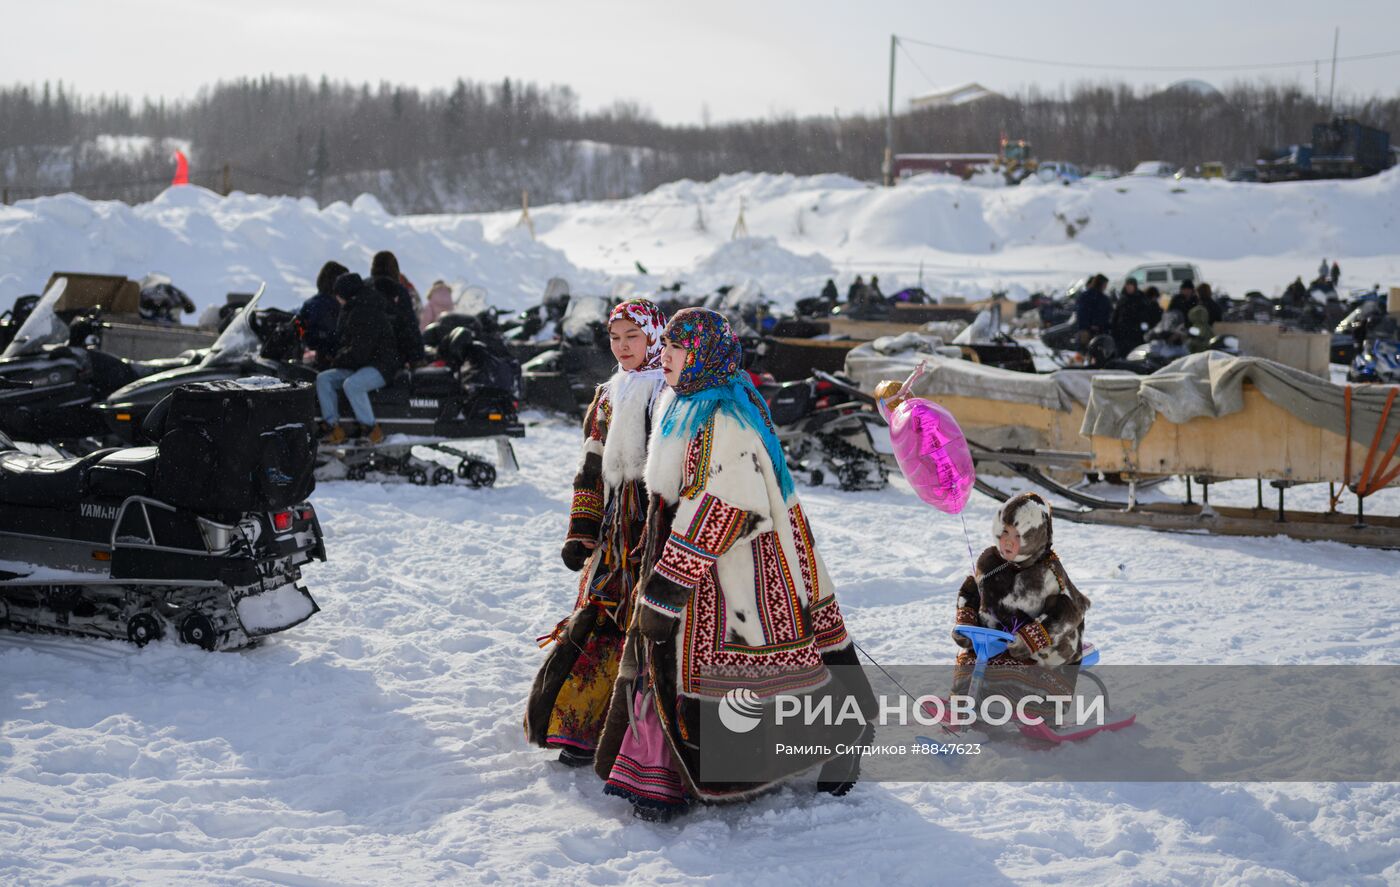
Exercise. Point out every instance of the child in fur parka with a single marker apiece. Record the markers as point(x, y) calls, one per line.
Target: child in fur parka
point(569, 700)
point(1021, 587)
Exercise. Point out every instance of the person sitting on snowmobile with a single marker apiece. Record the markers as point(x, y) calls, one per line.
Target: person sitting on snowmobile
point(318, 315)
point(830, 294)
point(1184, 300)
point(385, 277)
point(1021, 587)
point(365, 360)
point(1134, 315)
point(1296, 296)
point(439, 303)
point(1205, 296)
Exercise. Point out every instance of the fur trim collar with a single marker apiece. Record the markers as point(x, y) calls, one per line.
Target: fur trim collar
point(630, 395)
point(666, 455)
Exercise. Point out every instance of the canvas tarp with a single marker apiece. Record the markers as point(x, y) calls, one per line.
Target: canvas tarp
point(894, 357)
point(1211, 384)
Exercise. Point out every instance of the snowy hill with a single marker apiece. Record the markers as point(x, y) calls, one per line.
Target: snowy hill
point(957, 238)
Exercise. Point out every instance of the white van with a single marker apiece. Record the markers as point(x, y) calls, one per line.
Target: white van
point(1167, 276)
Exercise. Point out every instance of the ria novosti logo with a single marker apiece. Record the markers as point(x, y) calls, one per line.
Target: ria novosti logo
point(740, 710)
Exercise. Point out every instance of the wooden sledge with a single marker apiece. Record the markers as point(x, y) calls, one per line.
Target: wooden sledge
point(1263, 442)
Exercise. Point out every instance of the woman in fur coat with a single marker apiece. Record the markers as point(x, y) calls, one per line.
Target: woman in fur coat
point(1021, 587)
point(735, 597)
point(570, 696)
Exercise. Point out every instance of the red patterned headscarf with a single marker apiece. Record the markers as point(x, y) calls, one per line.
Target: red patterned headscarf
point(649, 318)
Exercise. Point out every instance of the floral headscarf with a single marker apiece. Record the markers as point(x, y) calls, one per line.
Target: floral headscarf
point(713, 378)
point(651, 320)
point(713, 353)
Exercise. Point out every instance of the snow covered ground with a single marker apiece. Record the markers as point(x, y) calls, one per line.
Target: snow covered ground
point(381, 741)
point(958, 239)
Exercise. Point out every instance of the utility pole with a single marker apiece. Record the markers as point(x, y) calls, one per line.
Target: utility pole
point(1331, 90)
point(888, 167)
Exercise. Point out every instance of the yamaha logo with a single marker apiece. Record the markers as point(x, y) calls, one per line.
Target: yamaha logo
point(740, 710)
point(423, 402)
point(98, 512)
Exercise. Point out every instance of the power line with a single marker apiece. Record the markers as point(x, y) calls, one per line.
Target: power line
point(918, 67)
point(1174, 68)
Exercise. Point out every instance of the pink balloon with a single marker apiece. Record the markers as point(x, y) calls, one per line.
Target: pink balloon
point(932, 453)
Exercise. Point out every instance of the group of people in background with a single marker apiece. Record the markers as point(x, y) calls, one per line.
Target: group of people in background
point(1138, 310)
point(363, 332)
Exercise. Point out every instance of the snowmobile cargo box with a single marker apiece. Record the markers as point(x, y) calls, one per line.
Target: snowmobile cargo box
point(236, 445)
point(113, 293)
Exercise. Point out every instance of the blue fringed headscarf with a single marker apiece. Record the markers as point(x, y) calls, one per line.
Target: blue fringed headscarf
point(714, 379)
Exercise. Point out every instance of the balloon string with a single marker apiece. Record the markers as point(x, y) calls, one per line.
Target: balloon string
point(967, 539)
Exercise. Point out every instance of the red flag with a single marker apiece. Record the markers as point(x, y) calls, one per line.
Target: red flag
point(182, 170)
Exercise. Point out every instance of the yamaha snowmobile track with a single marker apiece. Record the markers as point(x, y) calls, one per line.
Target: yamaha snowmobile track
point(398, 460)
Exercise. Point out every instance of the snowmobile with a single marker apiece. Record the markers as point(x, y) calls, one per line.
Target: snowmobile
point(565, 377)
point(1165, 343)
point(200, 536)
point(64, 372)
point(1378, 358)
point(473, 396)
point(827, 425)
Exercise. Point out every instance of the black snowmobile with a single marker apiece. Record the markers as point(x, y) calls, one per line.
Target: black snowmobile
point(201, 536)
point(828, 426)
point(474, 396)
point(565, 377)
point(63, 372)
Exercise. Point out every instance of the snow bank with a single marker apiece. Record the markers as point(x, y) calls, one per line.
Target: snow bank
point(952, 237)
point(211, 245)
point(959, 238)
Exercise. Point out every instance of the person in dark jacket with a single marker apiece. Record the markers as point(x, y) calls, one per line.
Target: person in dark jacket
point(1184, 300)
point(385, 277)
point(366, 358)
point(1206, 299)
point(1336, 274)
point(830, 294)
point(1135, 314)
point(318, 315)
point(856, 291)
point(1093, 310)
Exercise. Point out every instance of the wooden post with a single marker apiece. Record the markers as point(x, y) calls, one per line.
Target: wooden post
point(228, 180)
point(525, 214)
point(6, 199)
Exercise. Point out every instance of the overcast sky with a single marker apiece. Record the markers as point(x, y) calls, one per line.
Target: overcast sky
point(736, 58)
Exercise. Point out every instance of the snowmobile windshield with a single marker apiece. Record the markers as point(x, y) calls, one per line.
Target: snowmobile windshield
point(42, 327)
point(470, 300)
point(238, 342)
point(582, 314)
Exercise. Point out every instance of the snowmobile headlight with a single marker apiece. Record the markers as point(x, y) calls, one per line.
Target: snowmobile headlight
point(218, 538)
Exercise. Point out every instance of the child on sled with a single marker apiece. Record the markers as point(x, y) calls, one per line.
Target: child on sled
point(1020, 587)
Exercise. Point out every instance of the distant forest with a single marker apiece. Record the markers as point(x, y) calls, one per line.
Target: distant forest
point(475, 146)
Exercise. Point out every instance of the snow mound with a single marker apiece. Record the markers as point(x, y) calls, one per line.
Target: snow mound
point(761, 257)
point(210, 245)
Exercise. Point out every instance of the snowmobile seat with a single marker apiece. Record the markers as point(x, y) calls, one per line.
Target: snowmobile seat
point(27, 479)
point(124, 472)
point(431, 381)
